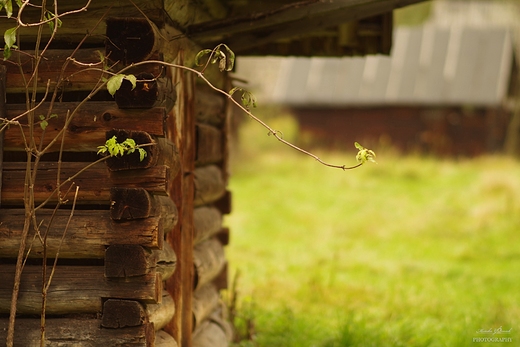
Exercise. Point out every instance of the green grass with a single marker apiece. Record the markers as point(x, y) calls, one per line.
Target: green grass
point(408, 252)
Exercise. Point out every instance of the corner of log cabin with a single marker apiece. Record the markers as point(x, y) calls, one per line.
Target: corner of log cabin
point(142, 259)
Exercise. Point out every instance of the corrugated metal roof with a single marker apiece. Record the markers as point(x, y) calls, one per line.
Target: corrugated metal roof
point(428, 65)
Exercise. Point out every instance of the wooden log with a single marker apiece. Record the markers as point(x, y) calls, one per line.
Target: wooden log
point(131, 40)
point(130, 203)
point(166, 261)
point(161, 314)
point(209, 106)
point(74, 289)
point(95, 183)
point(76, 332)
point(209, 260)
point(127, 261)
point(122, 313)
point(160, 152)
point(134, 260)
point(163, 339)
point(210, 334)
point(149, 91)
point(221, 281)
point(209, 185)
point(205, 300)
point(209, 145)
point(207, 221)
point(89, 232)
point(137, 203)
point(81, 73)
point(88, 126)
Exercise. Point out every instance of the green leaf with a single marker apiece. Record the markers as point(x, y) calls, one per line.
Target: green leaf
point(201, 54)
point(114, 83)
point(7, 52)
point(231, 58)
point(44, 124)
point(9, 7)
point(10, 37)
point(364, 154)
point(132, 79)
point(142, 154)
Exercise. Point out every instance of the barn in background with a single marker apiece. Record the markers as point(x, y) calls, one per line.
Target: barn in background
point(444, 90)
point(140, 246)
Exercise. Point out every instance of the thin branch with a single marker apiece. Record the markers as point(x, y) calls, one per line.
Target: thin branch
point(271, 131)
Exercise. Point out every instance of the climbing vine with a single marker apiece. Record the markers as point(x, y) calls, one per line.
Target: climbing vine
point(110, 80)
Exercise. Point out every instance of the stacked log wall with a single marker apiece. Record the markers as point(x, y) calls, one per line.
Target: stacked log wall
point(140, 257)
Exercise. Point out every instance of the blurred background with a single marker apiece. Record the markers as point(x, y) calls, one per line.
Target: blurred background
point(420, 249)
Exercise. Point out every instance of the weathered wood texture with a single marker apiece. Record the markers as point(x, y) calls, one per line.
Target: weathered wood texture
point(95, 183)
point(209, 260)
point(209, 106)
point(137, 203)
point(161, 314)
point(209, 145)
point(207, 221)
point(211, 334)
point(163, 339)
point(3, 114)
point(181, 130)
point(89, 232)
point(209, 184)
point(77, 332)
point(75, 289)
point(119, 313)
point(205, 300)
point(124, 261)
point(86, 126)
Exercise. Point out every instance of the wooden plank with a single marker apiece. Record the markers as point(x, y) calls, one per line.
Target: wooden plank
point(77, 332)
point(95, 183)
point(74, 289)
point(209, 260)
point(89, 232)
point(209, 184)
point(207, 221)
point(209, 145)
point(88, 126)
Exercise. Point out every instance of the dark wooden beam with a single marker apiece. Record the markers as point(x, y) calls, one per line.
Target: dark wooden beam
point(298, 19)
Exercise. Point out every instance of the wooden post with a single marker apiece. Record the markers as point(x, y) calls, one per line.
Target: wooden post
point(3, 76)
point(181, 130)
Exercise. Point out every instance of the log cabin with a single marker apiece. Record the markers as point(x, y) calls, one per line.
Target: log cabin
point(137, 254)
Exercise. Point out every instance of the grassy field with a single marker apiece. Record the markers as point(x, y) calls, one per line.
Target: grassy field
point(408, 252)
